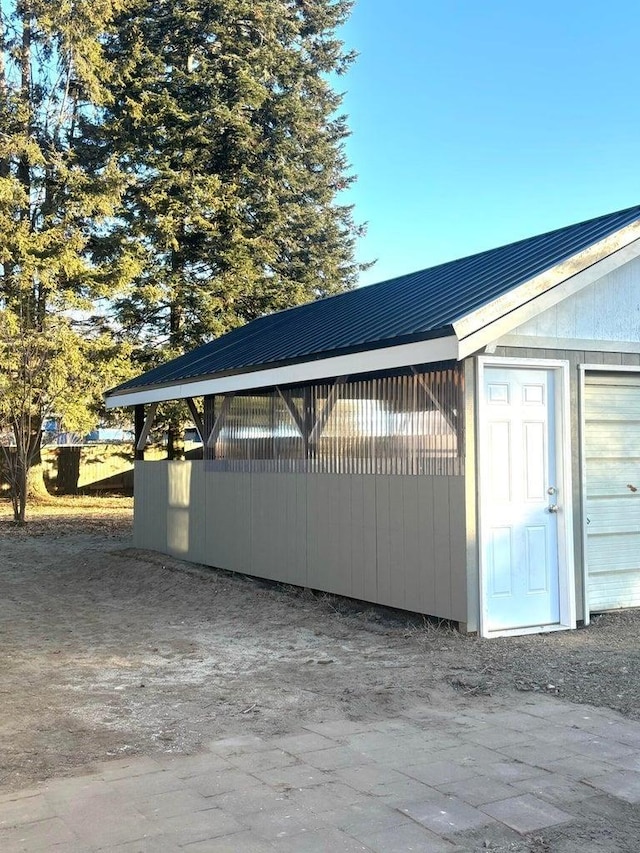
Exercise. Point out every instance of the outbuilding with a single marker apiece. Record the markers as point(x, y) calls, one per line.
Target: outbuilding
point(462, 441)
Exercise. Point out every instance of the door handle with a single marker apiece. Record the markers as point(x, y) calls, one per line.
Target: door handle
point(553, 508)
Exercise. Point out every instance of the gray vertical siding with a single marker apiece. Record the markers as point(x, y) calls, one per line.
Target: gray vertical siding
point(394, 540)
point(227, 512)
point(149, 516)
point(575, 358)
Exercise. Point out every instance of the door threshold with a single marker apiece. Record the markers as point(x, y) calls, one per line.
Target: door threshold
point(532, 629)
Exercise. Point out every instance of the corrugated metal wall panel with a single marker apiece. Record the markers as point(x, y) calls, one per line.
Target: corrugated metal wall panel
point(402, 424)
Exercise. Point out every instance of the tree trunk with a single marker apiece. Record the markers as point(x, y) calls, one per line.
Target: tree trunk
point(16, 472)
point(10, 477)
point(36, 487)
point(175, 441)
point(20, 501)
point(25, 471)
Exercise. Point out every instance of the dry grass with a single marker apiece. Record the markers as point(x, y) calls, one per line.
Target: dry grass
point(598, 665)
point(57, 516)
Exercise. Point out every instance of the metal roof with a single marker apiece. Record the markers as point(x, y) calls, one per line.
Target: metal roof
point(417, 306)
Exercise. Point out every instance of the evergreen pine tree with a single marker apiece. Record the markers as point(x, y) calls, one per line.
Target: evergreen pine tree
point(224, 117)
point(52, 199)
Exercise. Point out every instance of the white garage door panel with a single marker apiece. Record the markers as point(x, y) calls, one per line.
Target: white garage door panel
point(625, 591)
point(612, 465)
point(612, 403)
point(621, 551)
point(613, 439)
point(613, 515)
point(614, 478)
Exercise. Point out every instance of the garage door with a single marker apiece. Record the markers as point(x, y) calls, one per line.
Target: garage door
point(612, 470)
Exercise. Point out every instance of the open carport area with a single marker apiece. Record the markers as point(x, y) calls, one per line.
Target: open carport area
point(148, 704)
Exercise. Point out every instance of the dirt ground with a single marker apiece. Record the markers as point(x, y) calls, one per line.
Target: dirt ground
point(109, 651)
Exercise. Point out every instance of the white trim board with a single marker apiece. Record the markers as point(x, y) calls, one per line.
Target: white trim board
point(609, 368)
point(535, 342)
point(566, 573)
point(586, 612)
point(385, 358)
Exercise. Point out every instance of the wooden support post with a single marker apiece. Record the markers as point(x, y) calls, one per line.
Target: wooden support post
point(208, 420)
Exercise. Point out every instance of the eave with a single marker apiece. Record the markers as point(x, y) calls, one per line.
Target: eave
point(444, 348)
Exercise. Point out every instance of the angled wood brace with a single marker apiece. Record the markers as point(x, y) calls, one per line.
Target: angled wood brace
point(323, 417)
point(451, 420)
point(146, 428)
point(197, 419)
point(220, 419)
point(298, 419)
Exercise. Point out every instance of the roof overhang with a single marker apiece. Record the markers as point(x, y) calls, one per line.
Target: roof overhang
point(386, 358)
point(498, 318)
point(472, 332)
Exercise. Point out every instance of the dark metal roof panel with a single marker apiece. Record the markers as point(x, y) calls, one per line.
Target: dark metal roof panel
point(419, 305)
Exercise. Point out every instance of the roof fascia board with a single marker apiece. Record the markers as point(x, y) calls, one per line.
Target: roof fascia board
point(385, 358)
point(504, 314)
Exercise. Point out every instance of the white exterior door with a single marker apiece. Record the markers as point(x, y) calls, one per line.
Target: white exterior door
point(520, 499)
point(612, 482)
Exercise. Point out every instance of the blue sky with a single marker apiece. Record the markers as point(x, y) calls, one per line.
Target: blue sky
point(479, 122)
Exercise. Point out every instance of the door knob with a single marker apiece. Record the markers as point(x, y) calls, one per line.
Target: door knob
point(553, 507)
